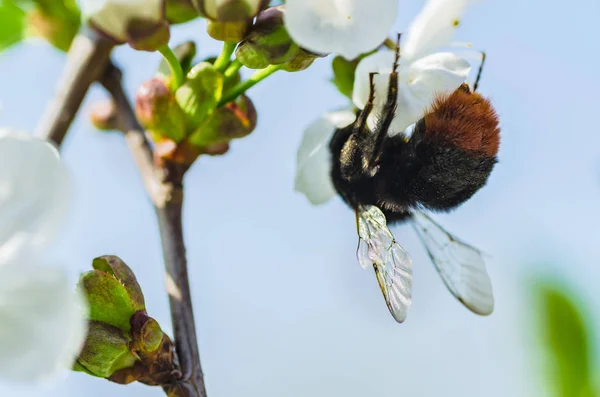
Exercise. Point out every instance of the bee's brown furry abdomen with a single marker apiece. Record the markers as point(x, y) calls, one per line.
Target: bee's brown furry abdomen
point(464, 120)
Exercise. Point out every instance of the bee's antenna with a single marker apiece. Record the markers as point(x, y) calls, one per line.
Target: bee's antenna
point(476, 84)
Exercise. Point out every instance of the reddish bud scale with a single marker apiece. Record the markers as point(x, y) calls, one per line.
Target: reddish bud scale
point(465, 120)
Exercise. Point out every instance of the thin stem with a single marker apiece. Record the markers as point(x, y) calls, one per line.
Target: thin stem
point(232, 69)
point(241, 88)
point(171, 232)
point(225, 56)
point(164, 186)
point(86, 61)
point(174, 65)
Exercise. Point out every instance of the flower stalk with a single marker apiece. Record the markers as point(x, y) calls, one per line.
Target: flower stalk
point(174, 65)
point(244, 86)
point(224, 57)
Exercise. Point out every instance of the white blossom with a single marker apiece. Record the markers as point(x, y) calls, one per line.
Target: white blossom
point(113, 17)
point(314, 158)
point(423, 73)
point(42, 325)
point(345, 27)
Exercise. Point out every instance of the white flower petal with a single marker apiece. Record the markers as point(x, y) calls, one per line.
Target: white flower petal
point(313, 177)
point(42, 322)
point(380, 62)
point(345, 27)
point(418, 84)
point(433, 27)
point(113, 16)
point(431, 76)
point(35, 193)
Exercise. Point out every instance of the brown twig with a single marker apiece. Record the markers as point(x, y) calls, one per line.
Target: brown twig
point(86, 61)
point(165, 188)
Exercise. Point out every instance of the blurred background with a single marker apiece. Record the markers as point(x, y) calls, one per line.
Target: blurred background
point(282, 306)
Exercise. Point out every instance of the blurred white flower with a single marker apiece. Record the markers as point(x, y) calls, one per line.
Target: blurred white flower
point(313, 164)
point(126, 20)
point(423, 73)
point(345, 27)
point(42, 324)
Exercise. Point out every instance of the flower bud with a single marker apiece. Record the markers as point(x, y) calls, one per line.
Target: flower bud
point(267, 42)
point(123, 343)
point(199, 95)
point(104, 116)
point(157, 110)
point(234, 120)
point(230, 10)
point(302, 60)
point(180, 11)
point(141, 23)
point(229, 20)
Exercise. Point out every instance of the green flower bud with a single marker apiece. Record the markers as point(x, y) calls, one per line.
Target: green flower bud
point(147, 35)
point(228, 31)
point(180, 11)
point(147, 334)
point(267, 42)
point(199, 95)
point(230, 10)
point(157, 110)
point(141, 23)
point(106, 350)
point(302, 60)
point(234, 120)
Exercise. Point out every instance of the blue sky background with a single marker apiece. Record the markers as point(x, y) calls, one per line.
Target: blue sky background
point(283, 307)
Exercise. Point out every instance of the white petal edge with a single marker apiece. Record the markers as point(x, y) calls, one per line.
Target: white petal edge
point(345, 27)
point(42, 322)
point(433, 27)
point(313, 170)
point(35, 194)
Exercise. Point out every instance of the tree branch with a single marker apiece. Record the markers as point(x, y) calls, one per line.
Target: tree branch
point(87, 59)
point(165, 188)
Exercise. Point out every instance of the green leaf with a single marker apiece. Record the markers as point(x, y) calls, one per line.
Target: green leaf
point(114, 266)
point(106, 350)
point(108, 299)
point(343, 75)
point(566, 340)
point(12, 24)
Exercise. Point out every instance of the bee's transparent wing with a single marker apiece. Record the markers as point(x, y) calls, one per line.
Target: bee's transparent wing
point(393, 266)
point(461, 266)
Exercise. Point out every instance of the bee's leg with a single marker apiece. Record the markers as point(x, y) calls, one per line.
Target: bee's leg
point(361, 121)
point(388, 112)
point(476, 84)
